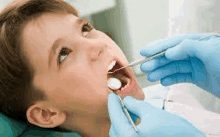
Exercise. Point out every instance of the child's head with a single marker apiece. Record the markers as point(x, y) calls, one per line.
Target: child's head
point(55, 65)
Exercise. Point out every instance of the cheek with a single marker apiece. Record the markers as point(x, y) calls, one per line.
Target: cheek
point(82, 87)
point(82, 101)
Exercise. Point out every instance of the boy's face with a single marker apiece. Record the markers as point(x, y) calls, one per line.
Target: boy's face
point(75, 79)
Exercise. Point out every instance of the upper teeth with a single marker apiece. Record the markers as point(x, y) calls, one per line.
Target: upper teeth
point(111, 65)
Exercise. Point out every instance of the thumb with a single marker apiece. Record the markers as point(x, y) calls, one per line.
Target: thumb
point(138, 107)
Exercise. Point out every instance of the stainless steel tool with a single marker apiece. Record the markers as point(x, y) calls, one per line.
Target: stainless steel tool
point(140, 61)
point(127, 114)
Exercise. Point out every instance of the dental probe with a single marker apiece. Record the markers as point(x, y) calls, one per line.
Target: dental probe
point(127, 114)
point(134, 63)
point(162, 53)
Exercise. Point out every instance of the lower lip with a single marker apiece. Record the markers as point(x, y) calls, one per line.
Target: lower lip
point(128, 90)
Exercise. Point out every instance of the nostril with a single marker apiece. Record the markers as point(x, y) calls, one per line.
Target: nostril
point(102, 49)
point(100, 53)
point(94, 54)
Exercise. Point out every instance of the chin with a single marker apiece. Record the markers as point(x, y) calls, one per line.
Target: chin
point(130, 86)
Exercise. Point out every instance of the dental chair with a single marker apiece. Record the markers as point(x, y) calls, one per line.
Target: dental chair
point(12, 128)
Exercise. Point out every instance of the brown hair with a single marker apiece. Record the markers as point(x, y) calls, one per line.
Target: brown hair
point(16, 74)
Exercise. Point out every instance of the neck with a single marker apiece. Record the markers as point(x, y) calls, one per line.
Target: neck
point(89, 126)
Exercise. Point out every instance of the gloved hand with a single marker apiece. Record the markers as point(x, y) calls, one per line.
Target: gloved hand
point(155, 122)
point(188, 58)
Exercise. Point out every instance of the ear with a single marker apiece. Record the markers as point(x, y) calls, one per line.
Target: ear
point(47, 118)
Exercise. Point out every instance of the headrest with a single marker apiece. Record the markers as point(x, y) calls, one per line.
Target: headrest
point(10, 127)
point(13, 128)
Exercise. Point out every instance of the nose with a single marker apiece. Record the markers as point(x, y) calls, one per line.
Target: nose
point(95, 50)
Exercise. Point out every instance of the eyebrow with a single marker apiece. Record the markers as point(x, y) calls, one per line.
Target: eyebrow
point(53, 50)
point(57, 43)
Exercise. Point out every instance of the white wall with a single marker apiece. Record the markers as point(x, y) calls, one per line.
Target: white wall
point(3, 3)
point(187, 16)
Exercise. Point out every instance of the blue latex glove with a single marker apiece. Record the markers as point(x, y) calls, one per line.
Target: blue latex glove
point(155, 122)
point(187, 59)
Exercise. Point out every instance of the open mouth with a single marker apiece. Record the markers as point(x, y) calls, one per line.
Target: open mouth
point(123, 75)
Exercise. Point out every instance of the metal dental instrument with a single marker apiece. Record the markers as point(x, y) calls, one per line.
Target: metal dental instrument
point(140, 61)
point(162, 53)
point(127, 114)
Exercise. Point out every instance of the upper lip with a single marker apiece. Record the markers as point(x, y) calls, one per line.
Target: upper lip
point(119, 62)
point(114, 58)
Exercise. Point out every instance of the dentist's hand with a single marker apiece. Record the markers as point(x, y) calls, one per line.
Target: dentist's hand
point(186, 60)
point(155, 122)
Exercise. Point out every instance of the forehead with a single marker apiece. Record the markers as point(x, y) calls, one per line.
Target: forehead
point(46, 24)
point(39, 35)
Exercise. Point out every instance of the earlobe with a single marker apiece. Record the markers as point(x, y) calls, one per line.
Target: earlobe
point(46, 118)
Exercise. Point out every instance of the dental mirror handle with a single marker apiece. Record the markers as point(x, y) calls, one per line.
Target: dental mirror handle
point(127, 114)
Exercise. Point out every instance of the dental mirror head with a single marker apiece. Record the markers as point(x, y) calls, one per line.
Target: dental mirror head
point(114, 83)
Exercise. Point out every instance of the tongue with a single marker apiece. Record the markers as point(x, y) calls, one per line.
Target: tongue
point(122, 78)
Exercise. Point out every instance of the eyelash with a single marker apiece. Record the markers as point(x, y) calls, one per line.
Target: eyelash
point(65, 51)
point(88, 27)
